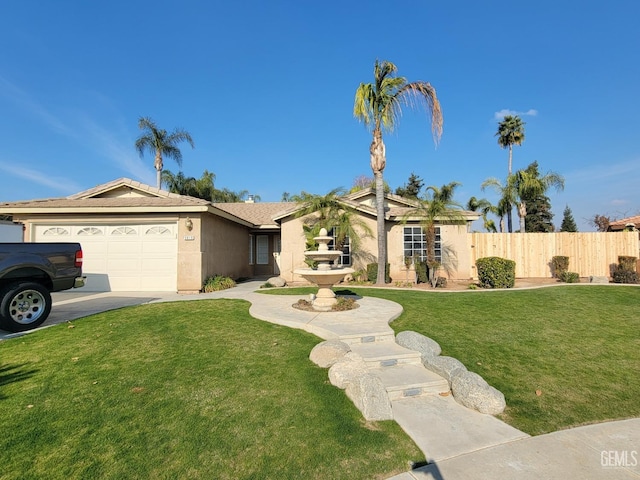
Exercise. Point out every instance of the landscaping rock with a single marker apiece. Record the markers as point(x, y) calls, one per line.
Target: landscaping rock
point(419, 343)
point(327, 353)
point(370, 397)
point(596, 279)
point(447, 367)
point(347, 370)
point(472, 391)
point(277, 281)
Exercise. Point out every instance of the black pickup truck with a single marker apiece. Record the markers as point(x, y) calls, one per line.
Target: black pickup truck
point(29, 272)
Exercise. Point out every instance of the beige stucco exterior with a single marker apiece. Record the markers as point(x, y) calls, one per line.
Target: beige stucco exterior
point(214, 239)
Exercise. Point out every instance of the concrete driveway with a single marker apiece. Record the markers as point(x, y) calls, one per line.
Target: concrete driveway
point(71, 305)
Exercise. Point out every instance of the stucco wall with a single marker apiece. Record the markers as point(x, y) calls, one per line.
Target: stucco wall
point(225, 248)
point(454, 237)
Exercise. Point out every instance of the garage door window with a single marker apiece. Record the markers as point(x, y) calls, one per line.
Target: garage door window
point(55, 231)
point(162, 231)
point(123, 231)
point(90, 231)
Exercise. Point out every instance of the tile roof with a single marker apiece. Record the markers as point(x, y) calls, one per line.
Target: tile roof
point(258, 213)
point(620, 224)
point(119, 202)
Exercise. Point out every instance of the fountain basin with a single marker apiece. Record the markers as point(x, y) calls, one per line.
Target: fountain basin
point(324, 279)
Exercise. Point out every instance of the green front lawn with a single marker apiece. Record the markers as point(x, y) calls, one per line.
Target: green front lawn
point(563, 356)
point(182, 390)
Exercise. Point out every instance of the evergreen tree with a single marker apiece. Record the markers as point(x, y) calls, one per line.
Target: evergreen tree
point(568, 223)
point(539, 217)
point(412, 188)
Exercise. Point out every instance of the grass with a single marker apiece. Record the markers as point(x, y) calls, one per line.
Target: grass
point(577, 346)
point(182, 390)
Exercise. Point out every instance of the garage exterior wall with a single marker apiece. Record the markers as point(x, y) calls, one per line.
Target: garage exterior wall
point(225, 248)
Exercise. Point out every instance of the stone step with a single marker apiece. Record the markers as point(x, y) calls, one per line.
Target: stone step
point(386, 354)
point(372, 337)
point(408, 380)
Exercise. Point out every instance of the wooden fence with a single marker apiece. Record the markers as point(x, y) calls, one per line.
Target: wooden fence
point(589, 253)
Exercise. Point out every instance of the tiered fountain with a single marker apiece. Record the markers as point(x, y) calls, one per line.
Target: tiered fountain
point(326, 275)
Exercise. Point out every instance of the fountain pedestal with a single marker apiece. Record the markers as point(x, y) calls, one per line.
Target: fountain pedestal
point(326, 275)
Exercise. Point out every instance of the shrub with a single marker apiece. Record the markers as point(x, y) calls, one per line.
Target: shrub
point(344, 303)
point(422, 273)
point(215, 283)
point(621, 275)
point(569, 277)
point(267, 285)
point(559, 265)
point(372, 273)
point(627, 263)
point(441, 282)
point(496, 272)
point(625, 272)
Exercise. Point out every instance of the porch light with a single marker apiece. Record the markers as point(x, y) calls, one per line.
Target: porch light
point(189, 224)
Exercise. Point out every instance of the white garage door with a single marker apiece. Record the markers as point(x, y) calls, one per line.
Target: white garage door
point(122, 257)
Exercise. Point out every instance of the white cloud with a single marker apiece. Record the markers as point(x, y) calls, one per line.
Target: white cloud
point(505, 111)
point(60, 184)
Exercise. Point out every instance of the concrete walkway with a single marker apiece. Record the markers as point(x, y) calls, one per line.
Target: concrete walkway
point(459, 443)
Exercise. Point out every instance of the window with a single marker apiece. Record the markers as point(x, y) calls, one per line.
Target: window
point(252, 259)
point(345, 258)
point(123, 231)
point(55, 231)
point(415, 243)
point(90, 231)
point(262, 249)
point(160, 231)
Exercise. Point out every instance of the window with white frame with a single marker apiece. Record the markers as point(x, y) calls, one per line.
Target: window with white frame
point(345, 258)
point(415, 243)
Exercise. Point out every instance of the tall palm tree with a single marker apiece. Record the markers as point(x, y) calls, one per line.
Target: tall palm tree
point(379, 105)
point(510, 132)
point(528, 184)
point(161, 144)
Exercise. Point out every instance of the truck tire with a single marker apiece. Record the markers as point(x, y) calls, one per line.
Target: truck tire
point(23, 306)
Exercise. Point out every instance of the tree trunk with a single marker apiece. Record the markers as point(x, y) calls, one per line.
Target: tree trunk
point(522, 213)
point(509, 218)
point(159, 166)
point(378, 162)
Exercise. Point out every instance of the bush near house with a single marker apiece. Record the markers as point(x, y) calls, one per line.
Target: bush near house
point(215, 283)
point(496, 272)
point(559, 265)
point(625, 272)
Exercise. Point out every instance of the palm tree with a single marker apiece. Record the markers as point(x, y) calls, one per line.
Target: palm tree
point(328, 211)
point(508, 197)
point(483, 206)
point(379, 105)
point(161, 144)
point(510, 132)
point(178, 183)
point(529, 184)
point(436, 206)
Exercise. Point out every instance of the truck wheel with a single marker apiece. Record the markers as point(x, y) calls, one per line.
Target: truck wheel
point(24, 306)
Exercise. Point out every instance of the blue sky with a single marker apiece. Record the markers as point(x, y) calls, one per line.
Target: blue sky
point(266, 90)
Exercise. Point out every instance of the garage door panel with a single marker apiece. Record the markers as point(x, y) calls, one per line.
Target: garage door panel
point(122, 257)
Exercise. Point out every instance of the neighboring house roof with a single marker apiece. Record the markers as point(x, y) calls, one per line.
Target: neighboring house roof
point(622, 224)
